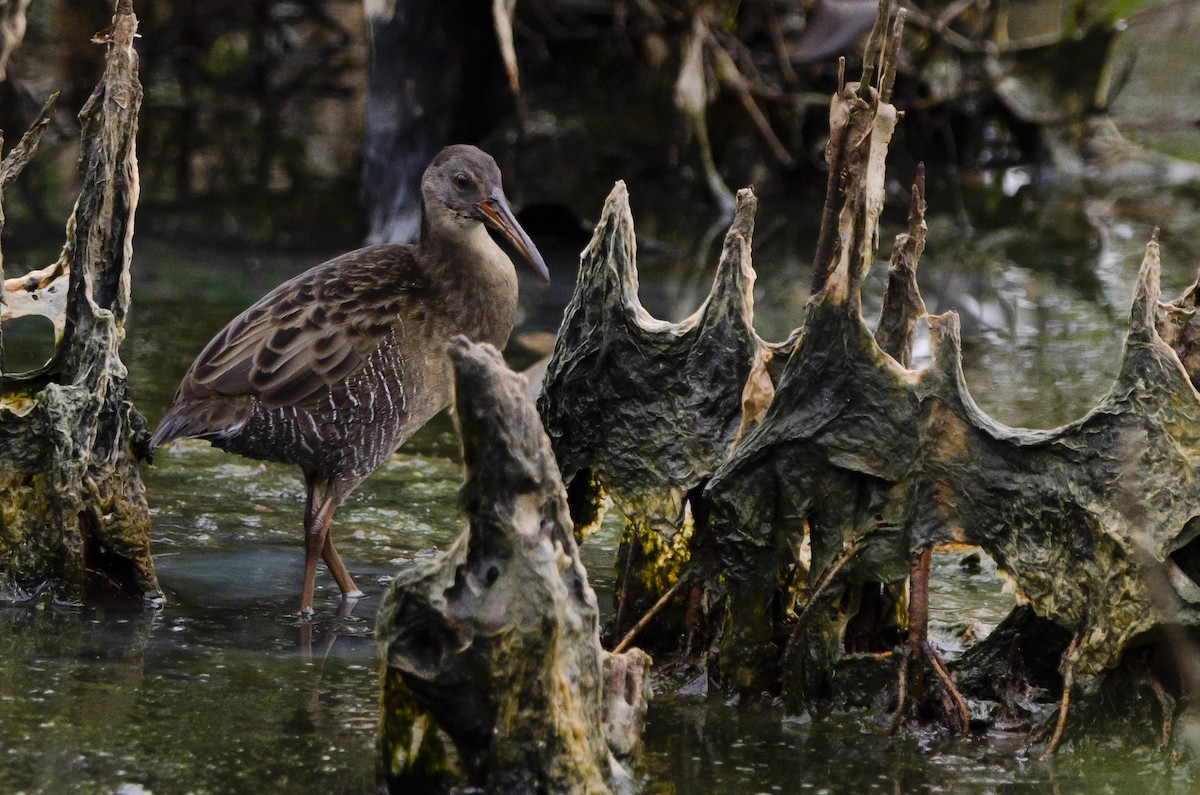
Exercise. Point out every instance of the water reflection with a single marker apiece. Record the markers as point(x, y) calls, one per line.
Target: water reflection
point(179, 700)
point(695, 746)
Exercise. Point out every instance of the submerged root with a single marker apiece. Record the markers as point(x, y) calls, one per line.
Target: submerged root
point(954, 708)
point(1166, 703)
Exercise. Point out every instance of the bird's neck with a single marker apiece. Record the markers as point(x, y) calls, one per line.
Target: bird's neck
point(480, 276)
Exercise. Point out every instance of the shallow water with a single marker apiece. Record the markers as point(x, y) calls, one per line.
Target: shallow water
point(226, 690)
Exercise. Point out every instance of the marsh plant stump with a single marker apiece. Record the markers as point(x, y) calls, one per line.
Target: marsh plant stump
point(496, 642)
point(73, 515)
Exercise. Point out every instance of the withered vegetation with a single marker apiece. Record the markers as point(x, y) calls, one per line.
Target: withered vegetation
point(73, 514)
point(804, 529)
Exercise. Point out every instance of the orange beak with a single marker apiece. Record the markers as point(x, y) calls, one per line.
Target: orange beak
point(498, 216)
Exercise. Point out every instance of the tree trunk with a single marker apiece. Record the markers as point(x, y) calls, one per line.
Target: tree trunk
point(436, 78)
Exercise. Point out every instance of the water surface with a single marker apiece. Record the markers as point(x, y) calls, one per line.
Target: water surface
point(227, 690)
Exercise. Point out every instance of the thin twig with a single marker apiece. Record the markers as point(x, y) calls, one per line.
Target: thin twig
point(919, 646)
point(633, 542)
point(729, 74)
point(837, 566)
point(1165, 703)
point(943, 674)
point(891, 63)
point(873, 49)
point(10, 169)
point(1064, 705)
point(502, 23)
point(775, 31)
point(827, 234)
point(952, 12)
point(901, 694)
point(651, 13)
point(22, 153)
point(918, 624)
point(652, 612)
point(947, 36)
point(692, 619)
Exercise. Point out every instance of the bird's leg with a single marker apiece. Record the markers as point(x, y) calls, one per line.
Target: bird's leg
point(311, 481)
point(316, 532)
point(329, 553)
point(338, 569)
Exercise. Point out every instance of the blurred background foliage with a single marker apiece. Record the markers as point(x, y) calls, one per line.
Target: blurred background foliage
point(253, 123)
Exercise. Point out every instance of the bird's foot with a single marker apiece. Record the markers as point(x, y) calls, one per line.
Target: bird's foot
point(349, 601)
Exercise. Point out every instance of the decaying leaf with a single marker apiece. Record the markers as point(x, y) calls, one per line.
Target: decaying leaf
point(841, 471)
point(643, 411)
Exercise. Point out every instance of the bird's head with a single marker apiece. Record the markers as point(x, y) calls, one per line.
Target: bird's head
point(461, 188)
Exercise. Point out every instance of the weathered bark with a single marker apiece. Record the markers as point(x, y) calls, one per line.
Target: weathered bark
point(812, 522)
point(73, 515)
point(861, 124)
point(902, 303)
point(644, 411)
point(834, 459)
point(498, 639)
point(436, 78)
point(861, 464)
point(872, 457)
point(902, 308)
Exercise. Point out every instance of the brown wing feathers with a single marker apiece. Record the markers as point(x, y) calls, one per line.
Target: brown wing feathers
point(286, 350)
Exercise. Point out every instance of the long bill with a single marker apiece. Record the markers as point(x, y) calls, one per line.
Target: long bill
point(501, 218)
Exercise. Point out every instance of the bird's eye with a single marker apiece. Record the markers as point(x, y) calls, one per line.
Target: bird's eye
point(462, 180)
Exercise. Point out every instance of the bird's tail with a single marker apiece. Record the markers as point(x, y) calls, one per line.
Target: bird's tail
point(202, 418)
